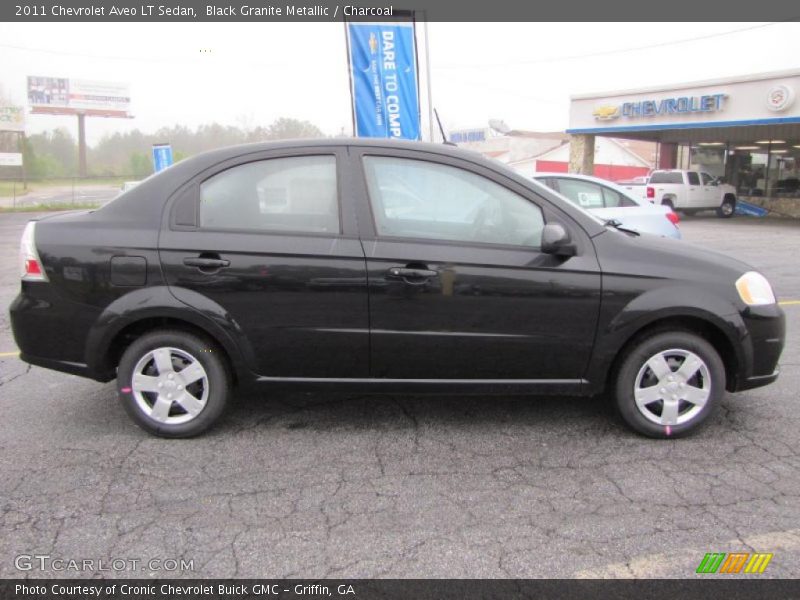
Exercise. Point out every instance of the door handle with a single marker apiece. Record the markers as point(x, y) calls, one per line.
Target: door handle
point(411, 273)
point(205, 262)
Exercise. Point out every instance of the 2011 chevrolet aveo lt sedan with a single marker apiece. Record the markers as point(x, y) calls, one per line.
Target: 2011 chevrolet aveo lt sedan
point(386, 267)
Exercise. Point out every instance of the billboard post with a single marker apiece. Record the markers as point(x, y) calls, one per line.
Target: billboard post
point(81, 145)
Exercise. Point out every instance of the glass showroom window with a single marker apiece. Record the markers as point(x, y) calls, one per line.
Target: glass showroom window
point(768, 167)
point(783, 177)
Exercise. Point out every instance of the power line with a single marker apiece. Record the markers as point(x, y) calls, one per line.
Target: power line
point(568, 57)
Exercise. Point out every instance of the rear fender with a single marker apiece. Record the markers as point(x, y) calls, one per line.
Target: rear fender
point(149, 303)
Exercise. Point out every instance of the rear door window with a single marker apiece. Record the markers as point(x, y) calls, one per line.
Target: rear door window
point(614, 199)
point(693, 178)
point(293, 194)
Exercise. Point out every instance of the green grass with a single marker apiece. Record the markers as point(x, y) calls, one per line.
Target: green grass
point(48, 207)
point(7, 189)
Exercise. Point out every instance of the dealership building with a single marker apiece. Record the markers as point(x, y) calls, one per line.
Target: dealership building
point(745, 130)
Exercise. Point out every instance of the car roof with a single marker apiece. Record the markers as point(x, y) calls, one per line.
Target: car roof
point(240, 149)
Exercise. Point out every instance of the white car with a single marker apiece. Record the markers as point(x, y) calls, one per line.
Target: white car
point(129, 185)
point(610, 202)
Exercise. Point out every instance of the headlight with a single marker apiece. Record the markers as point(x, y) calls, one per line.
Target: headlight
point(754, 289)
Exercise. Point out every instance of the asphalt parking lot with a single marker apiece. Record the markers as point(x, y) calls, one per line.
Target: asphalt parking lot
point(312, 485)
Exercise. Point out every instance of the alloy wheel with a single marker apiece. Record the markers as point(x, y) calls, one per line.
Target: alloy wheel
point(672, 387)
point(170, 386)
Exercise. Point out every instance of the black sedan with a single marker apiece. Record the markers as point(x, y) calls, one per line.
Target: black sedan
point(385, 267)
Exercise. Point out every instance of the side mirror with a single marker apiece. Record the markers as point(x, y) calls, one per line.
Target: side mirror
point(556, 240)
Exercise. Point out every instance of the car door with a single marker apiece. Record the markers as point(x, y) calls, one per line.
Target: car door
point(694, 189)
point(458, 286)
point(269, 243)
point(710, 190)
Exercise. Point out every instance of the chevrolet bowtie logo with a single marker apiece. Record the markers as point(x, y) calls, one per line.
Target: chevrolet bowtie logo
point(373, 43)
point(606, 113)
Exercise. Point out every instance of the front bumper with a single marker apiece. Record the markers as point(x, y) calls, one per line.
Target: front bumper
point(765, 328)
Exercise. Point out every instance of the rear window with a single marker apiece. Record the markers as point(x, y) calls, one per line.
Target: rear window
point(666, 177)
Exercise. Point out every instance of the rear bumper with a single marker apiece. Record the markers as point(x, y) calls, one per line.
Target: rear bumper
point(73, 368)
point(49, 331)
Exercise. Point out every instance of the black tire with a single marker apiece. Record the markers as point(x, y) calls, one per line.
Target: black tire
point(668, 202)
point(216, 395)
point(635, 361)
point(728, 208)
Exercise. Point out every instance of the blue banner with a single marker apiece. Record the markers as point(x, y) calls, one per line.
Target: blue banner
point(383, 69)
point(162, 156)
point(751, 210)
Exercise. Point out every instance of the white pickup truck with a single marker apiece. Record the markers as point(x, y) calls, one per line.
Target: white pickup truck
point(690, 192)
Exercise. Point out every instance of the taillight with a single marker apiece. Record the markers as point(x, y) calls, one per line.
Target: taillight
point(673, 218)
point(30, 266)
point(651, 192)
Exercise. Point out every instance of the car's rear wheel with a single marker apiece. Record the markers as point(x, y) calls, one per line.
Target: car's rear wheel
point(668, 203)
point(669, 383)
point(173, 383)
point(727, 209)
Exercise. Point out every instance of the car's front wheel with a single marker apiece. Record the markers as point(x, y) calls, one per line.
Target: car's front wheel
point(173, 384)
point(669, 383)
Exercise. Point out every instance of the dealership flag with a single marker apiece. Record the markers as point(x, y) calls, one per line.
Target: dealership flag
point(383, 75)
point(162, 157)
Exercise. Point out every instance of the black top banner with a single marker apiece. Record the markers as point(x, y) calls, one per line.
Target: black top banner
point(378, 10)
point(735, 588)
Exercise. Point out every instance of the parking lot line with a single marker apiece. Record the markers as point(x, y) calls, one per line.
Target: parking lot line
point(788, 302)
point(2, 354)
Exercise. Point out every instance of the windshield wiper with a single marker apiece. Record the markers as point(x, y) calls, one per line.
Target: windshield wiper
point(618, 225)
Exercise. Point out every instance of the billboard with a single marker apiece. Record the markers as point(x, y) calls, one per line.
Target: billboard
point(384, 82)
point(59, 95)
point(12, 118)
point(10, 159)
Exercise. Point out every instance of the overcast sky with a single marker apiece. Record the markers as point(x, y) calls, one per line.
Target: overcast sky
point(254, 73)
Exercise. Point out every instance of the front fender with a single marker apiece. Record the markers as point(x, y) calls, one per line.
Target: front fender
point(621, 320)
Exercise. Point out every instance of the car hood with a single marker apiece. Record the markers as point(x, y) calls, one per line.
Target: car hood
point(658, 257)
